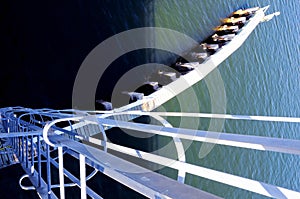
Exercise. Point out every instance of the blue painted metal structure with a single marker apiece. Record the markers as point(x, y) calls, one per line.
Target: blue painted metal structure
point(22, 129)
point(40, 138)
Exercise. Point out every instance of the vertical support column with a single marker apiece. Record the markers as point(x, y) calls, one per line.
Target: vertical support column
point(48, 172)
point(19, 140)
point(82, 176)
point(26, 152)
point(39, 161)
point(61, 172)
point(32, 154)
point(104, 137)
point(22, 149)
point(8, 124)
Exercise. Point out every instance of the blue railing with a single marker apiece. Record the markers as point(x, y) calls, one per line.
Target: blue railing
point(41, 138)
point(35, 151)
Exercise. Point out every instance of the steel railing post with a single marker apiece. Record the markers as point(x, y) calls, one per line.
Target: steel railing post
point(61, 172)
point(39, 161)
point(82, 176)
point(48, 172)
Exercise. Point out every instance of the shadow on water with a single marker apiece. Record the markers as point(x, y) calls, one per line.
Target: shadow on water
point(44, 44)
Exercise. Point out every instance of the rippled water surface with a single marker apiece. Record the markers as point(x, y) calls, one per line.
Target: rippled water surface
point(260, 78)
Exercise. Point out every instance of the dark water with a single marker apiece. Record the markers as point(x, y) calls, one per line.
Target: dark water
point(44, 43)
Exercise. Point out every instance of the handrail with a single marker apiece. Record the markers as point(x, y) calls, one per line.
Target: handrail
point(178, 144)
point(47, 140)
point(135, 177)
point(222, 177)
point(243, 141)
point(25, 187)
point(225, 116)
point(50, 125)
point(20, 134)
point(75, 184)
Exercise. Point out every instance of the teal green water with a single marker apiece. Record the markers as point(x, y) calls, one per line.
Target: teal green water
point(260, 78)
